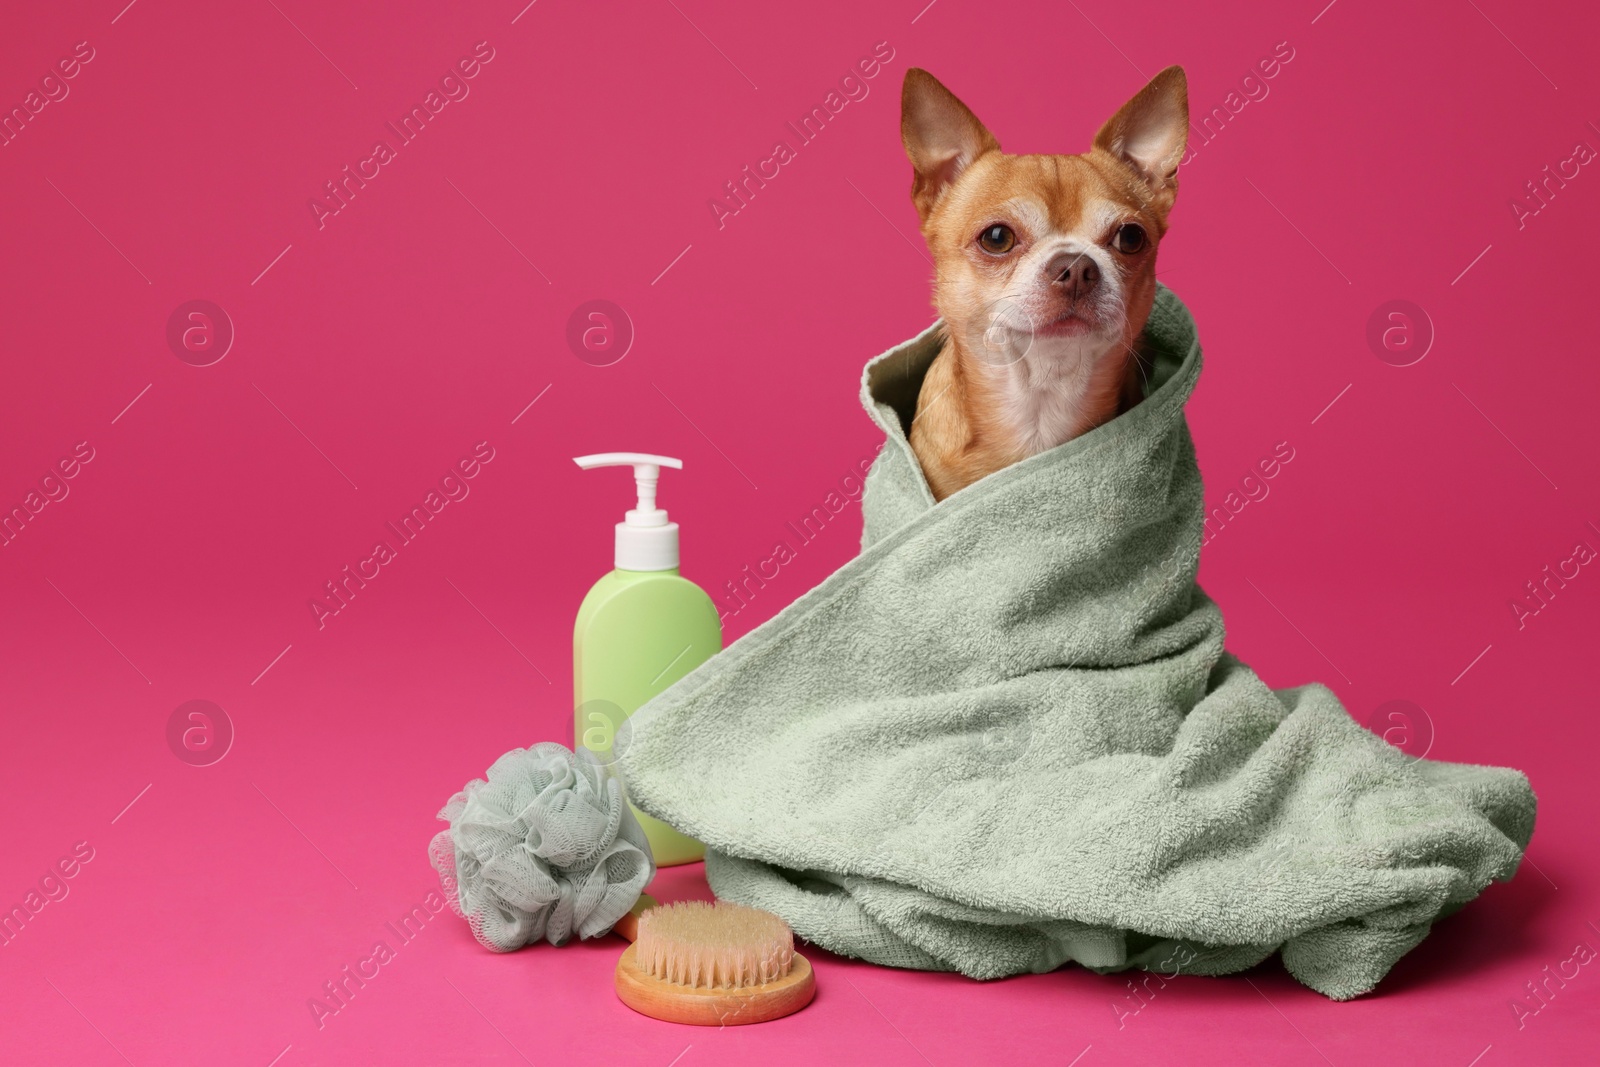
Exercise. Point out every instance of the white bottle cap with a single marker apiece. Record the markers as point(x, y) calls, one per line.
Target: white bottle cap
point(646, 541)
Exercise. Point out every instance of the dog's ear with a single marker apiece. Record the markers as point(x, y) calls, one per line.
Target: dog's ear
point(942, 137)
point(1150, 131)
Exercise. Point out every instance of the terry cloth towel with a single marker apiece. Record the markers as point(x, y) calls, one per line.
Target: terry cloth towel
point(1007, 735)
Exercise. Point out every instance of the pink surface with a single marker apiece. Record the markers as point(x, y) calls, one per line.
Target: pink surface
point(374, 351)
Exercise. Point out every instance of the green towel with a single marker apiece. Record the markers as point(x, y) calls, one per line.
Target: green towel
point(1007, 735)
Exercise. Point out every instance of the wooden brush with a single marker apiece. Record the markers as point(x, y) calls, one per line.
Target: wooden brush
point(711, 964)
point(627, 927)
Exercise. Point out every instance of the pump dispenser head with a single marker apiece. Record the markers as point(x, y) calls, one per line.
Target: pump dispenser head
point(646, 541)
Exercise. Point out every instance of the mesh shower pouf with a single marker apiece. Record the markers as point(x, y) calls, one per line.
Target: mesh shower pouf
point(546, 848)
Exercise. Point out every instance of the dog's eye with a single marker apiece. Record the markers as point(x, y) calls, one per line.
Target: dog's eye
point(1129, 238)
point(997, 239)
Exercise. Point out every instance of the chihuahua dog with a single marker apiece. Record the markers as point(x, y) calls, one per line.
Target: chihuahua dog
point(1045, 275)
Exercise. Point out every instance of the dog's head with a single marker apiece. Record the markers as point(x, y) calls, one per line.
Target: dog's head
point(1050, 259)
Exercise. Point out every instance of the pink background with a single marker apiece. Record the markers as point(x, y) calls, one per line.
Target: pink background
point(428, 313)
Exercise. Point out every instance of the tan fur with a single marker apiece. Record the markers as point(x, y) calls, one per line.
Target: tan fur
point(1007, 383)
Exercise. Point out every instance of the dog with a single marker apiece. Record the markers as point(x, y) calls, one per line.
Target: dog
point(1044, 275)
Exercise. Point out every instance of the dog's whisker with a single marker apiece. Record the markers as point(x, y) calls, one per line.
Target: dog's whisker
point(922, 409)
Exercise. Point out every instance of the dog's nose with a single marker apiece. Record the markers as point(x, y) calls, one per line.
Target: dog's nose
point(1075, 273)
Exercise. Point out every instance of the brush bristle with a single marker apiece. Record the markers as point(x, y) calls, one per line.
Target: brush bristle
point(713, 946)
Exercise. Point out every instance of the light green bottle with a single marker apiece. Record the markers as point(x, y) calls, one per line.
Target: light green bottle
point(641, 628)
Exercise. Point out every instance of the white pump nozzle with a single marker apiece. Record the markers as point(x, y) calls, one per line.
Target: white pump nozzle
point(646, 541)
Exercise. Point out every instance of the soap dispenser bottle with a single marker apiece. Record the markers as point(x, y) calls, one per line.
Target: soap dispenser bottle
point(641, 628)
